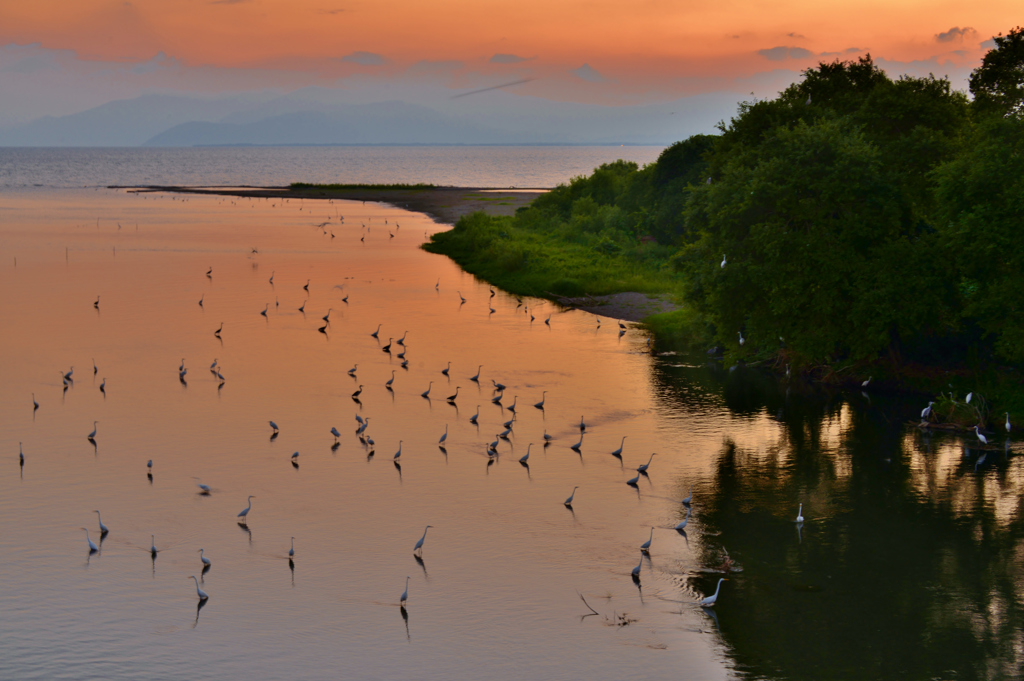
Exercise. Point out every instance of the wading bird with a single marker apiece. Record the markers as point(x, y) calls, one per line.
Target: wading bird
point(273, 425)
point(476, 378)
point(742, 339)
point(445, 436)
point(426, 393)
point(405, 594)
point(92, 435)
point(103, 528)
point(356, 394)
point(713, 598)
point(398, 454)
point(576, 447)
point(474, 417)
point(375, 333)
point(244, 513)
point(446, 369)
point(568, 502)
point(646, 546)
point(543, 396)
point(800, 515)
point(92, 547)
point(291, 551)
point(152, 545)
point(636, 570)
point(618, 452)
point(526, 457)
point(981, 438)
point(391, 380)
point(452, 398)
point(205, 561)
point(419, 544)
point(199, 592)
point(682, 525)
point(688, 499)
point(352, 371)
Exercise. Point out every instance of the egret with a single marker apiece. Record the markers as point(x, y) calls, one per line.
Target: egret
point(474, 417)
point(583, 426)
point(864, 384)
point(505, 433)
point(95, 369)
point(335, 433)
point(548, 438)
point(152, 545)
point(512, 407)
point(494, 445)
point(437, 286)
point(265, 308)
point(636, 570)
point(685, 521)
point(401, 341)
point(526, 457)
point(497, 398)
point(244, 513)
point(405, 362)
point(618, 452)
point(291, 551)
point(568, 502)
point(306, 287)
point(543, 396)
point(209, 272)
point(492, 310)
point(927, 411)
point(981, 438)
point(446, 369)
point(203, 489)
point(492, 293)
point(359, 419)
point(201, 300)
point(67, 376)
point(271, 280)
point(967, 400)
point(405, 594)
point(205, 561)
point(219, 329)
point(800, 515)
point(451, 398)
point(352, 371)
point(391, 380)
point(398, 454)
point(461, 297)
point(92, 547)
point(374, 334)
point(742, 339)
point(419, 544)
point(199, 592)
point(355, 395)
point(327, 317)
point(646, 546)
point(92, 435)
point(634, 481)
point(149, 465)
point(273, 425)
point(548, 320)
point(688, 499)
point(445, 436)
point(508, 424)
point(500, 387)
point(213, 367)
point(1007, 422)
point(642, 468)
point(723, 257)
point(710, 600)
point(21, 456)
point(363, 427)
point(35, 405)
point(387, 348)
point(426, 393)
point(181, 375)
point(476, 378)
point(295, 457)
point(576, 447)
point(302, 308)
point(96, 304)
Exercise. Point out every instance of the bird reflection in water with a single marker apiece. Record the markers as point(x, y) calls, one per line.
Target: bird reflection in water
point(405, 617)
point(199, 607)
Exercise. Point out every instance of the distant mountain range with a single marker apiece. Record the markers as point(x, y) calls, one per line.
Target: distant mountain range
point(315, 116)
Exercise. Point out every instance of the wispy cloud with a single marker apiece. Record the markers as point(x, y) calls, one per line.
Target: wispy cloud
point(589, 74)
point(365, 59)
point(955, 34)
point(782, 53)
point(508, 59)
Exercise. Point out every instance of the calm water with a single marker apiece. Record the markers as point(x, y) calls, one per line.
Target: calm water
point(452, 166)
point(910, 563)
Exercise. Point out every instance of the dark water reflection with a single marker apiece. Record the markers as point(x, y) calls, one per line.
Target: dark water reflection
point(910, 562)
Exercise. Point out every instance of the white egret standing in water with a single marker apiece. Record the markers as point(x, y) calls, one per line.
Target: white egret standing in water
point(723, 255)
point(273, 425)
point(474, 417)
point(713, 598)
point(291, 551)
point(398, 454)
point(244, 514)
point(92, 547)
point(636, 570)
point(685, 521)
point(419, 544)
point(204, 559)
point(1007, 422)
point(445, 436)
point(199, 592)
point(618, 452)
point(103, 528)
point(688, 499)
point(426, 393)
point(405, 594)
point(742, 339)
point(646, 546)
point(543, 396)
point(526, 457)
point(152, 545)
point(92, 435)
point(981, 438)
point(642, 468)
point(476, 378)
point(800, 515)
point(568, 502)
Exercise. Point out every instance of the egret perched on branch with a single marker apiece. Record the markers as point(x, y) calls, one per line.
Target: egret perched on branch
point(927, 411)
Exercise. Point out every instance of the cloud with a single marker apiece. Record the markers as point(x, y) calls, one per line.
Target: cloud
point(989, 44)
point(847, 51)
point(955, 34)
point(784, 53)
point(365, 59)
point(796, 36)
point(160, 61)
point(589, 73)
point(331, 11)
point(508, 59)
point(435, 67)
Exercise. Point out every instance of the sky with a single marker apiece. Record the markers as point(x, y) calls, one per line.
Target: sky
point(60, 56)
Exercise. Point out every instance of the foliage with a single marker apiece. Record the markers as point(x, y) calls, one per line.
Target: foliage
point(998, 84)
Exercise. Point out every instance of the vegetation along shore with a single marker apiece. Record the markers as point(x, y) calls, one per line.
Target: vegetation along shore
point(855, 228)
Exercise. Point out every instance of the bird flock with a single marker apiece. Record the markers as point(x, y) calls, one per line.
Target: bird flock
point(397, 346)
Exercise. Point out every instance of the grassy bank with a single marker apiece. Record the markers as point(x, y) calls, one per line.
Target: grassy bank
point(303, 186)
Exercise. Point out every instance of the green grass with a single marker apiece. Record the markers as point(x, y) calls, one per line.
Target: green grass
point(533, 263)
point(299, 186)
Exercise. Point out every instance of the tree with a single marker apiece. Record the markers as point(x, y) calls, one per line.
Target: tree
point(998, 84)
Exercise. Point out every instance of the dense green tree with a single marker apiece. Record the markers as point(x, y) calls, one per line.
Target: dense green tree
point(998, 84)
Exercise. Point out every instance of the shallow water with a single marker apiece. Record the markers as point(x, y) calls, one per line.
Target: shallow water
point(910, 563)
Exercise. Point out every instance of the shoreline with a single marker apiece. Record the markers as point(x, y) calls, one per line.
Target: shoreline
point(444, 204)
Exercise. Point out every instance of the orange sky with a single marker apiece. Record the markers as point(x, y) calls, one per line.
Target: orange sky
point(638, 52)
point(600, 32)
